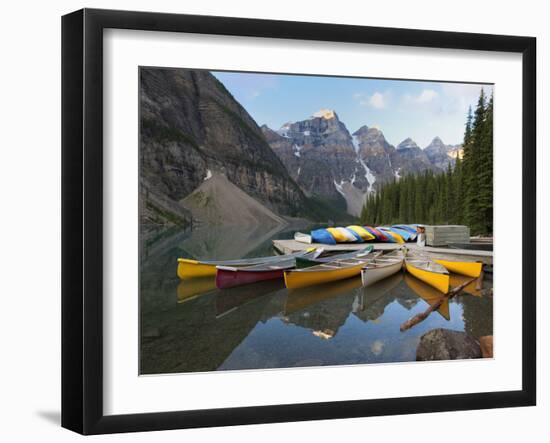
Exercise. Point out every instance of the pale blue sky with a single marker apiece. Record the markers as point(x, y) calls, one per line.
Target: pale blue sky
point(400, 108)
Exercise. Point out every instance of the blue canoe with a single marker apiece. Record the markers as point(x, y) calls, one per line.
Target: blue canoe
point(322, 236)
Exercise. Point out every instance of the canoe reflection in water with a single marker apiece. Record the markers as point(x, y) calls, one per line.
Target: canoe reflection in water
point(429, 294)
point(322, 309)
point(190, 288)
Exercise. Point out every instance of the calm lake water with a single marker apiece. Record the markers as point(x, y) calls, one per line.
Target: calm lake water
point(189, 326)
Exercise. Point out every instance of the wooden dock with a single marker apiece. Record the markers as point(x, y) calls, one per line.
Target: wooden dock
point(290, 246)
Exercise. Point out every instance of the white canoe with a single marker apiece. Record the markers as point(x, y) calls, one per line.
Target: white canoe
point(382, 267)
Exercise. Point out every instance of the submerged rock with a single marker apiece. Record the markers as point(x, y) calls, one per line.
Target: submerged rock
point(445, 344)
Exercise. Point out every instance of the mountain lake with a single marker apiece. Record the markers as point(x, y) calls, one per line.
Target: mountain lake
point(190, 326)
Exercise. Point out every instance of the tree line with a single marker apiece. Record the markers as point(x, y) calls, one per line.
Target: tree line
point(460, 195)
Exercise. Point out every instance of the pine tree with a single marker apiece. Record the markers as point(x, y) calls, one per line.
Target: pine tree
point(474, 210)
point(458, 178)
point(486, 169)
point(419, 202)
point(451, 196)
point(402, 210)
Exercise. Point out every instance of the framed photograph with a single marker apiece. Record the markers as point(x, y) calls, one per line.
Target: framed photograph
point(269, 221)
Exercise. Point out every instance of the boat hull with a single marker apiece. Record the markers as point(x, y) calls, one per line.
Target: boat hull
point(435, 279)
point(231, 278)
point(188, 268)
point(469, 269)
point(370, 276)
point(295, 280)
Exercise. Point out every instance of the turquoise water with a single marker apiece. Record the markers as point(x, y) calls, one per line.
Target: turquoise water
point(191, 326)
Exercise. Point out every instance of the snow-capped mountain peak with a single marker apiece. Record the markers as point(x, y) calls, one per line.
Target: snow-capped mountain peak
point(327, 114)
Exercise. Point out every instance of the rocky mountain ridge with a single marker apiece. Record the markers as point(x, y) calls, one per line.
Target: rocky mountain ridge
point(327, 161)
point(191, 128)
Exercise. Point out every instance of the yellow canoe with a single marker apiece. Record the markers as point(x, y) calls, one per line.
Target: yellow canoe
point(429, 294)
point(394, 235)
point(470, 269)
point(428, 271)
point(189, 268)
point(363, 233)
point(326, 272)
point(341, 235)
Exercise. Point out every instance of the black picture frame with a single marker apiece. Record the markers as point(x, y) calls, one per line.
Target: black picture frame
point(82, 218)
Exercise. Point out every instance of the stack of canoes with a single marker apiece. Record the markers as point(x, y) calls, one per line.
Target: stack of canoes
point(359, 234)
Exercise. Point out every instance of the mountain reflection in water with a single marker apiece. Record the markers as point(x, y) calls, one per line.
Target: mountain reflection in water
point(190, 326)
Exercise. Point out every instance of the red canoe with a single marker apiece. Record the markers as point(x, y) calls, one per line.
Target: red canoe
point(377, 233)
point(229, 276)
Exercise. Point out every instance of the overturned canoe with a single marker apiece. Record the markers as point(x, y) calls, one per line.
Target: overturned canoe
point(404, 233)
point(343, 235)
point(382, 267)
point(322, 236)
point(379, 235)
point(231, 276)
point(189, 268)
point(467, 268)
point(428, 271)
point(305, 262)
point(410, 228)
point(391, 234)
point(361, 232)
point(326, 272)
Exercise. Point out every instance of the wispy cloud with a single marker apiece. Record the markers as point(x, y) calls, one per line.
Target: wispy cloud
point(425, 96)
point(376, 100)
